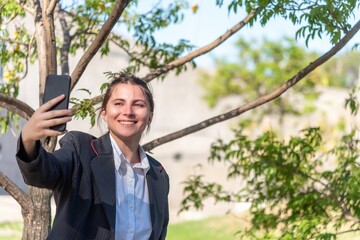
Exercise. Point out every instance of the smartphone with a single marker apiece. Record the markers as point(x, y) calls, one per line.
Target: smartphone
point(55, 86)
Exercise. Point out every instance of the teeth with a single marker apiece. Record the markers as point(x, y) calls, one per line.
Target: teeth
point(127, 122)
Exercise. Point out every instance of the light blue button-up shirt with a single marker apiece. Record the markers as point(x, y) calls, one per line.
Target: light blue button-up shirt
point(133, 220)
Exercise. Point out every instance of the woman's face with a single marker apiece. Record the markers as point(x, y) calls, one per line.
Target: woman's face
point(127, 112)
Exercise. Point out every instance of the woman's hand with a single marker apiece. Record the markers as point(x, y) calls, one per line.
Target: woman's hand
point(40, 122)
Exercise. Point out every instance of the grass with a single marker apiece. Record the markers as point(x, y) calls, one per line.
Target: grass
point(213, 228)
point(224, 228)
point(11, 230)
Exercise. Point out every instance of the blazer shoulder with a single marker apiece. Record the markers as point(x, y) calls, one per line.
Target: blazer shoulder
point(153, 161)
point(156, 164)
point(79, 140)
point(76, 136)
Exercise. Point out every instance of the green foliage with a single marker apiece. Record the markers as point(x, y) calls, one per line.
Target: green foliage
point(8, 119)
point(10, 86)
point(14, 48)
point(317, 18)
point(10, 10)
point(261, 67)
point(144, 26)
point(196, 189)
point(297, 189)
point(84, 20)
point(86, 17)
point(352, 101)
point(86, 108)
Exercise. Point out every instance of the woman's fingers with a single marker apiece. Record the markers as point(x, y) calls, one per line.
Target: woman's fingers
point(51, 103)
point(56, 121)
point(55, 114)
point(52, 133)
point(39, 127)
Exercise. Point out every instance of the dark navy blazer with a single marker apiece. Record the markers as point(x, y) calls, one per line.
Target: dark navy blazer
point(82, 176)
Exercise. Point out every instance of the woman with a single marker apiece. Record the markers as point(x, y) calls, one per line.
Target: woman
point(104, 188)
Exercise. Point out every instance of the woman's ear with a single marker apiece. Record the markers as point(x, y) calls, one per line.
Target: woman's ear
point(103, 114)
point(150, 117)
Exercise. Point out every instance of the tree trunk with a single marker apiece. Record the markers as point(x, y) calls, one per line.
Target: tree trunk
point(37, 218)
point(37, 213)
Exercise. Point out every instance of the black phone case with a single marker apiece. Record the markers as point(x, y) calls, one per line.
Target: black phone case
point(55, 86)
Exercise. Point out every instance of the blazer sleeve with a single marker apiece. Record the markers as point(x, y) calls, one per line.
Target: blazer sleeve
point(48, 170)
point(166, 222)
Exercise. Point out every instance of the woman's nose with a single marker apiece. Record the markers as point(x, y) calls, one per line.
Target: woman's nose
point(128, 110)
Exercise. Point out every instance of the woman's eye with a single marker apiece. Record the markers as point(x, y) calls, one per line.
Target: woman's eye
point(119, 103)
point(139, 105)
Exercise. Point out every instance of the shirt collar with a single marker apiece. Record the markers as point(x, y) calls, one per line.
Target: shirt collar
point(120, 159)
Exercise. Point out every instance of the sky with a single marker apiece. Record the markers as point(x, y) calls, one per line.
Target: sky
point(210, 21)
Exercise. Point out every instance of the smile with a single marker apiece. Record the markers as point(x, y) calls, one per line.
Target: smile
point(127, 122)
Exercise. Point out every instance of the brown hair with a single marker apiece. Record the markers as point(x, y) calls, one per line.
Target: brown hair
point(127, 78)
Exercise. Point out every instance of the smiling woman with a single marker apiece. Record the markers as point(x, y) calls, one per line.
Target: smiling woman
point(127, 109)
point(104, 188)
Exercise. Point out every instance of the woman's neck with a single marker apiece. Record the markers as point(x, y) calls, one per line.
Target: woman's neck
point(130, 149)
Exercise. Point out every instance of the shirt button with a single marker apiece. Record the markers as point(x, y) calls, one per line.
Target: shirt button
point(131, 230)
point(131, 206)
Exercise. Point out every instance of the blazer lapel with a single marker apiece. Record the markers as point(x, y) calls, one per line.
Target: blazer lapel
point(155, 188)
point(103, 169)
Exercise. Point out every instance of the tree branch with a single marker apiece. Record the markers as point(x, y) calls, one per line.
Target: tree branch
point(259, 101)
point(205, 49)
point(51, 7)
point(98, 41)
point(12, 41)
point(189, 57)
point(348, 231)
point(19, 195)
point(27, 57)
point(49, 37)
point(64, 50)
point(16, 106)
point(40, 43)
